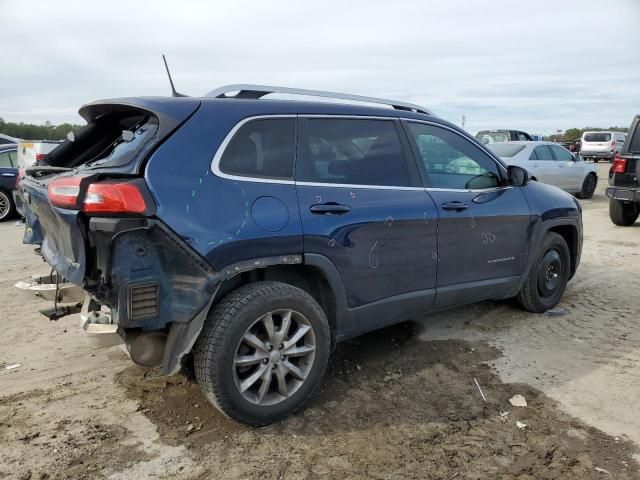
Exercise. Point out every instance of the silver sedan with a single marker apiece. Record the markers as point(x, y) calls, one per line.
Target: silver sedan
point(551, 163)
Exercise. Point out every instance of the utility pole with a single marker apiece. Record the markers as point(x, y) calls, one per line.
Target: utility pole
point(464, 119)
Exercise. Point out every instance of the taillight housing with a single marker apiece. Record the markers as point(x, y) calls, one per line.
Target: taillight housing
point(40, 156)
point(619, 165)
point(113, 197)
point(102, 197)
point(64, 192)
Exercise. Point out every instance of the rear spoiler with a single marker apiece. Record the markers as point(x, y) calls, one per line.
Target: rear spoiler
point(171, 112)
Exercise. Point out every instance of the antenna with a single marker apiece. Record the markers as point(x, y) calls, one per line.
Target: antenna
point(174, 93)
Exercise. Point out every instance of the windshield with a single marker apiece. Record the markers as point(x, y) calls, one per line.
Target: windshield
point(597, 137)
point(493, 137)
point(506, 149)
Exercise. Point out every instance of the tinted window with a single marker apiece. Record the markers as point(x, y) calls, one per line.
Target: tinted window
point(351, 151)
point(634, 143)
point(543, 153)
point(597, 137)
point(522, 136)
point(561, 154)
point(262, 148)
point(534, 155)
point(451, 161)
point(5, 160)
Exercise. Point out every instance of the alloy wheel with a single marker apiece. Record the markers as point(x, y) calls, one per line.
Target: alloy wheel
point(274, 357)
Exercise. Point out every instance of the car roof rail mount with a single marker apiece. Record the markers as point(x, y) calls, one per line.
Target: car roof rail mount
point(259, 91)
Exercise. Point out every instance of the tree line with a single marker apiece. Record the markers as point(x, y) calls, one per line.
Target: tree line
point(30, 131)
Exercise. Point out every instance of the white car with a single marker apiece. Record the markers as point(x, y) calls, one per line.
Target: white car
point(32, 151)
point(601, 145)
point(551, 163)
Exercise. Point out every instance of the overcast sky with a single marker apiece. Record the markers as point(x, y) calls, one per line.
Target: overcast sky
point(537, 65)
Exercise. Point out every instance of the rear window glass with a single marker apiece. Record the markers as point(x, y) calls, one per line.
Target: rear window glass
point(493, 137)
point(111, 140)
point(351, 151)
point(262, 148)
point(597, 137)
point(506, 149)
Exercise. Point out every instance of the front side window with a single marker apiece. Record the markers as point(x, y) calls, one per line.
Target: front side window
point(451, 161)
point(522, 137)
point(353, 151)
point(262, 148)
point(543, 153)
point(561, 154)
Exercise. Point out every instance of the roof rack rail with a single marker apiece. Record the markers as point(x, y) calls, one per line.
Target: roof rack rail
point(258, 91)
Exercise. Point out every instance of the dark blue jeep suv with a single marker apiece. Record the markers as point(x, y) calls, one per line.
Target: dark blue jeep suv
point(252, 234)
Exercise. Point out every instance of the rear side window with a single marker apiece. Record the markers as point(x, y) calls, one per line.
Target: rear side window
point(353, 151)
point(543, 153)
point(263, 148)
point(522, 136)
point(5, 160)
point(453, 162)
point(561, 154)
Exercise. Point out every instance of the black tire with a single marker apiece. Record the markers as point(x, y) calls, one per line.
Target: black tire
point(544, 286)
point(221, 337)
point(622, 213)
point(588, 186)
point(7, 207)
point(596, 160)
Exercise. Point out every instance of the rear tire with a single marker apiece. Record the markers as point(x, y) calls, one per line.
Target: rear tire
point(246, 364)
point(548, 277)
point(7, 207)
point(623, 214)
point(588, 186)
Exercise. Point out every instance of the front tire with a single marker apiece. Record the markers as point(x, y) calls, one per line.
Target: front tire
point(548, 277)
point(588, 187)
point(623, 214)
point(7, 208)
point(262, 352)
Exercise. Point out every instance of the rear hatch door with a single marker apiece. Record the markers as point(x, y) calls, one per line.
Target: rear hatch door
point(118, 138)
point(596, 142)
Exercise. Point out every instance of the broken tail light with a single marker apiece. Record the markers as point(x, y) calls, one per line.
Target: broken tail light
point(105, 197)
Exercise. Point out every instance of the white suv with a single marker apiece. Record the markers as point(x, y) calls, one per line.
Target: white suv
point(599, 145)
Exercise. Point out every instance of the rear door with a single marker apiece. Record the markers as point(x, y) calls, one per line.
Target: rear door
point(569, 173)
point(483, 224)
point(544, 165)
point(363, 207)
point(8, 170)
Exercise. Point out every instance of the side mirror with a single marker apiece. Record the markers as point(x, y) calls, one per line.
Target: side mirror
point(517, 176)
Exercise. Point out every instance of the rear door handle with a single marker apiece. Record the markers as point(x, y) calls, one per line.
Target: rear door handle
point(455, 206)
point(329, 209)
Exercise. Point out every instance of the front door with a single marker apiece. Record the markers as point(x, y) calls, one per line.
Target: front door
point(483, 225)
point(363, 207)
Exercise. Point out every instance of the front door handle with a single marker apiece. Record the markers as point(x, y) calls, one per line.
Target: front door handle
point(458, 206)
point(329, 209)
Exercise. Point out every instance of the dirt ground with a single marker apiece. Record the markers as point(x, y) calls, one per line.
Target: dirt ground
point(395, 404)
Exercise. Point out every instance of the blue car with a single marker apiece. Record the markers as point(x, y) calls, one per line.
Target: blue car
point(250, 234)
point(8, 179)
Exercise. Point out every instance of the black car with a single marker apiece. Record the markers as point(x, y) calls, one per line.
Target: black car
point(624, 192)
point(498, 136)
point(8, 179)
